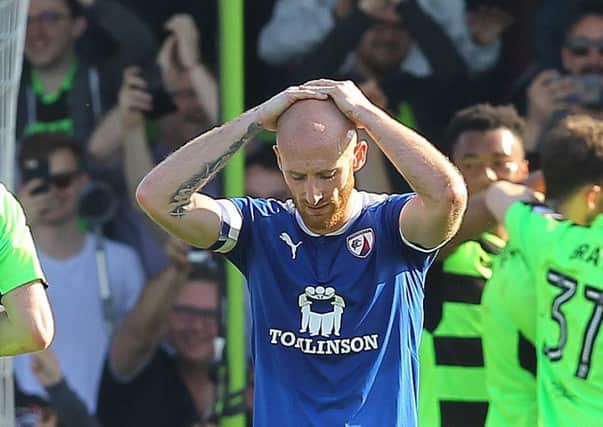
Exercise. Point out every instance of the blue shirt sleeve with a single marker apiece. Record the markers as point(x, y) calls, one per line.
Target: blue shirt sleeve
point(257, 217)
point(420, 258)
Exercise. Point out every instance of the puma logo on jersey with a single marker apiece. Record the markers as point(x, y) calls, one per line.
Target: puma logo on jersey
point(287, 239)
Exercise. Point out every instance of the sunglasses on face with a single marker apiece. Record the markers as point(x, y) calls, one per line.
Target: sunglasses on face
point(580, 46)
point(62, 180)
point(189, 312)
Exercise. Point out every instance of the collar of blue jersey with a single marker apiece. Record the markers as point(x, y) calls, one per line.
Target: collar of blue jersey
point(355, 200)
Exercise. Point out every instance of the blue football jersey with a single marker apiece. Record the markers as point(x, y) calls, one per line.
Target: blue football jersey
point(337, 318)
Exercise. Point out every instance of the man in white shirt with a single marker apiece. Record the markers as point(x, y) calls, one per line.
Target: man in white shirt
point(69, 258)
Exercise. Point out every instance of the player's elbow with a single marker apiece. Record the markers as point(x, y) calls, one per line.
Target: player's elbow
point(38, 335)
point(43, 330)
point(42, 337)
point(31, 344)
point(448, 194)
point(456, 196)
point(142, 194)
point(146, 196)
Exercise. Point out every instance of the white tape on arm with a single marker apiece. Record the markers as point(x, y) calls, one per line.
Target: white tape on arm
point(231, 221)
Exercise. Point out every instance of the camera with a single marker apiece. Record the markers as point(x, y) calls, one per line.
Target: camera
point(36, 168)
point(589, 90)
point(162, 102)
point(97, 204)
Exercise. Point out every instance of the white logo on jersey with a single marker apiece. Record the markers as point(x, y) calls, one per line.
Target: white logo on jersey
point(321, 313)
point(287, 239)
point(326, 323)
point(360, 244)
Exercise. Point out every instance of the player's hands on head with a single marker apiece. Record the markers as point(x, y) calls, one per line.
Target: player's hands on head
point(347, 96)
point(133, 98)
point(269, 112)
point(185, 39)
point(45, 367)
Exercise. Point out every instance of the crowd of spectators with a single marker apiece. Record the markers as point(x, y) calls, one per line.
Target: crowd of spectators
point(111, 87)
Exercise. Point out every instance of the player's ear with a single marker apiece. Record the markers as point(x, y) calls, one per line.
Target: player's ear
point(594, 194)
point(278, 156)
point(360, 151)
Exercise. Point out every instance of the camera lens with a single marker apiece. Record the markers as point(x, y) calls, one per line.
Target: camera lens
point(97, 203)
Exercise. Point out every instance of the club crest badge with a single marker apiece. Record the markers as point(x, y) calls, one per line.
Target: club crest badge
point(360, 244)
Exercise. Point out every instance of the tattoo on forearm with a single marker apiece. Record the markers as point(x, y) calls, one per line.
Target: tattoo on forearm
point(181, 198)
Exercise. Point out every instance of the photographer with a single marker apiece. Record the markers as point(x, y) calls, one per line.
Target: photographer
point(160, 369)
point(553, 95)
point(68, 254)
point(143, 128)
point(178, 73)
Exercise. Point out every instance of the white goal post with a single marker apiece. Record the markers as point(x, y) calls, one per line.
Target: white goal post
point(13, 21)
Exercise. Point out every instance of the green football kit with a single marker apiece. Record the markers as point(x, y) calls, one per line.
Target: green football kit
point(452, 381)
point(509, 322)
point(19, 262)
point(49, 112)
point(565, 260)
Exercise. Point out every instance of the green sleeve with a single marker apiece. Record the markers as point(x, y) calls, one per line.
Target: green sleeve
point(19, 262)
point(530, 230)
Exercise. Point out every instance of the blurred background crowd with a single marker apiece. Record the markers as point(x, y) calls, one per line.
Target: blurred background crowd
point(110, 87)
